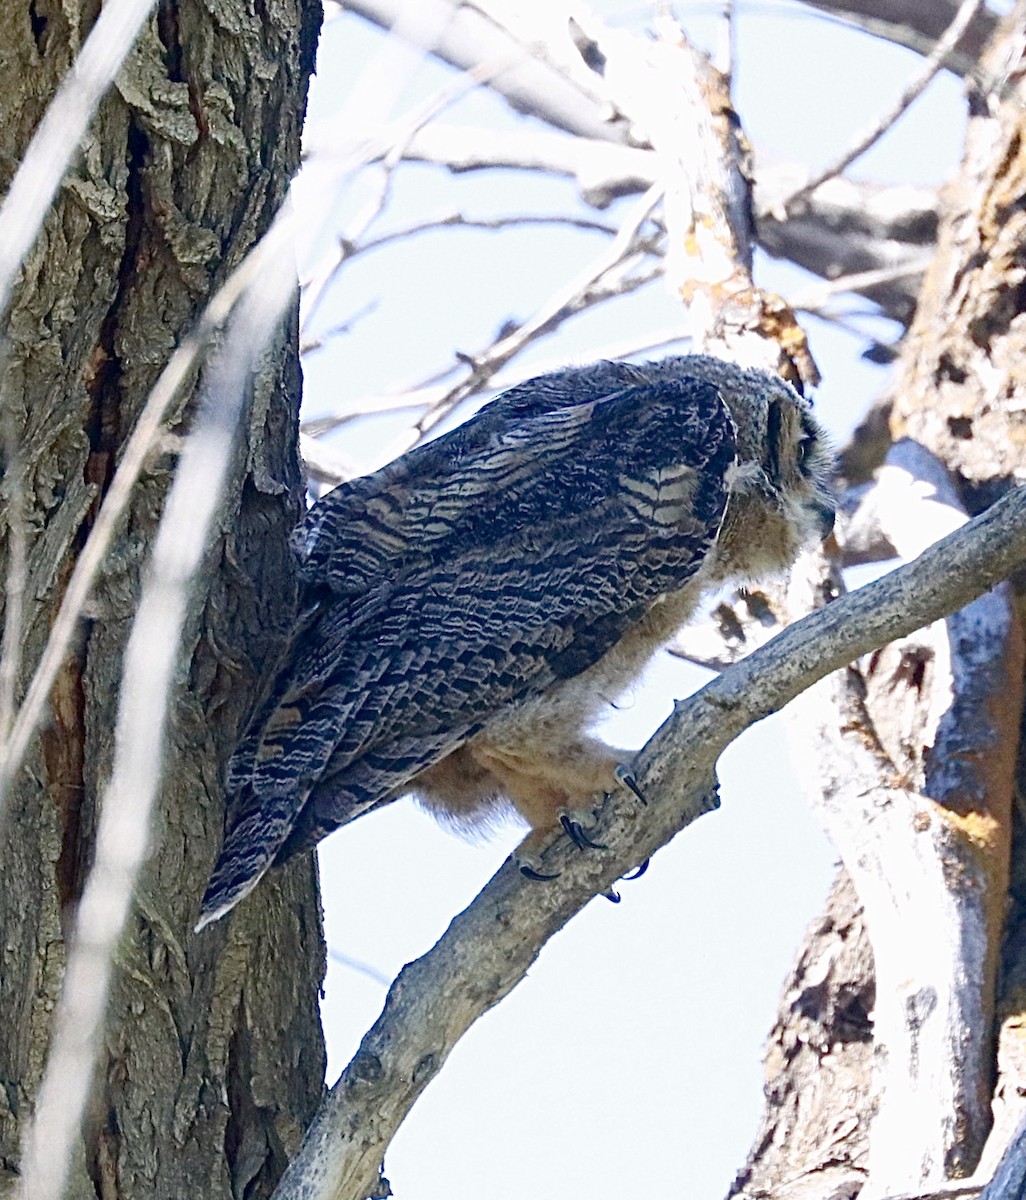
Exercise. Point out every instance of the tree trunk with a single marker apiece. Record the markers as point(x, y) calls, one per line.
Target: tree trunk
point(213, 1063)
point(960, 392)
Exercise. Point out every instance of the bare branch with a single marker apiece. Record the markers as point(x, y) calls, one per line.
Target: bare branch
point(916, 25)
point(816, 297)
point(489, 947)
point(603, 170)
point(464, 35)
point(967, 10)
point(459, 221)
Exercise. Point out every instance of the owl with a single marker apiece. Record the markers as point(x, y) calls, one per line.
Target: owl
point(468, 610)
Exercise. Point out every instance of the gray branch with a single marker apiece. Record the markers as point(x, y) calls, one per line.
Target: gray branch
point(489, 947)
point(915, 25)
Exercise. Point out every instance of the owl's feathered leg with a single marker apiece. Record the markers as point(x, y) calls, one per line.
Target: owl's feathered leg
point(551, 785)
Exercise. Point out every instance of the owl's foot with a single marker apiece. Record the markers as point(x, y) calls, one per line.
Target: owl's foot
point(527, 855)
point(528, 872)
point(637, 872)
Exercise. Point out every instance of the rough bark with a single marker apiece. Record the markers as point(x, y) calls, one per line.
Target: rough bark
point(213, 1065)
point(814, 1131)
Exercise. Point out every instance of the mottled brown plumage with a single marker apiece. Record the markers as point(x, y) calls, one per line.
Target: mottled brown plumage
point(469, 608)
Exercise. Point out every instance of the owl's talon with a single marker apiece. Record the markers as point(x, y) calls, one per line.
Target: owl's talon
point(538, 876)
point(576, 833)
point(638, 871)
point(613, 896)
point(625, 776)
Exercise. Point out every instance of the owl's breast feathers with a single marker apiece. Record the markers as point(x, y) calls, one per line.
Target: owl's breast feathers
point(473, 573)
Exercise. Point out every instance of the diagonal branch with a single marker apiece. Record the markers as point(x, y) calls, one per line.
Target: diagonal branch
point(967, 10)
point(489, 947)
point(916, 25)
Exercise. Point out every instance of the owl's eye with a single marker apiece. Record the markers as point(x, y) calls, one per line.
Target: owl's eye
point(774, 425)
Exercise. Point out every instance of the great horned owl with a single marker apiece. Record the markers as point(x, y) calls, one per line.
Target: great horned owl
point(468, 609)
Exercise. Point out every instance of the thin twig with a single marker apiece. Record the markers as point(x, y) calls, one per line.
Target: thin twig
point(347, 250)
point(439, 402)
point(934, 63)
point(459, 221)
point(815, 296)
point(391, 148)
point(483, 369)
point(339, 329)
point(570, 298)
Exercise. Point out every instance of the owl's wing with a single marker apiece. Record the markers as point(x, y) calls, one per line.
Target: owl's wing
point(516, 464)
point(518, 566)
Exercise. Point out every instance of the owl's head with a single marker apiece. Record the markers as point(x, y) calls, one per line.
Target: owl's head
point(780, 498)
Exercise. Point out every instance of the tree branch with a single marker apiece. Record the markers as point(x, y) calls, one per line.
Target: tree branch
point(489, 947)
point(965, 14)
point(916, 25)
point(465, 35)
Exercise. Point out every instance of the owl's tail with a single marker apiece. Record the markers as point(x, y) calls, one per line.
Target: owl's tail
point(261, 826)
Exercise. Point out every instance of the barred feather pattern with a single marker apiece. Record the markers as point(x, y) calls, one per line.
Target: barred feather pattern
point(492, 569)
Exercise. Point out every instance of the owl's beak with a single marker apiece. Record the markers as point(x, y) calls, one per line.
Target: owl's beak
point(825, 514)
